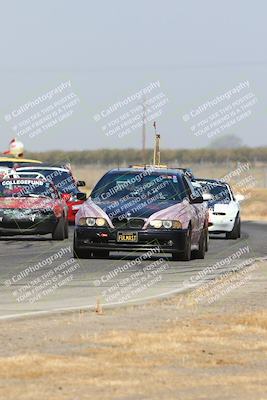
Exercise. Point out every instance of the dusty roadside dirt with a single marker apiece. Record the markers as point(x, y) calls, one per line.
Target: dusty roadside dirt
point(171, 349)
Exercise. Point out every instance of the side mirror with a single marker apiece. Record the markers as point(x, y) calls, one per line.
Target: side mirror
point(81, 196)
point(196, 200)
point(207, 196)
point(81, 183)
point(239, 197)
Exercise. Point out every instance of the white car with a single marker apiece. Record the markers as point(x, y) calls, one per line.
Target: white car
point(224, 208)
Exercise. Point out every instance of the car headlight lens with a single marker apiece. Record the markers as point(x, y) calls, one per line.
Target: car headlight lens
point(167, 224)
point(92, 221)
point(87, 221)
point(156, 224)
point(100, 222)
point(82, 221)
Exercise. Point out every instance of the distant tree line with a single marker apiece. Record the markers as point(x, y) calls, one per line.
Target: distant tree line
point(168, 156)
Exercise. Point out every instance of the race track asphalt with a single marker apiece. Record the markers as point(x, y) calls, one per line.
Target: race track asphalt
point(34, 281)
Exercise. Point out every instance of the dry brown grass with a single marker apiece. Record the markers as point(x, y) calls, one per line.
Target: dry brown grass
point(255, 207)
point(190, 358)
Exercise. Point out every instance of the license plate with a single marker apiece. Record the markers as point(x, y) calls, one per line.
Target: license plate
point(127, 237)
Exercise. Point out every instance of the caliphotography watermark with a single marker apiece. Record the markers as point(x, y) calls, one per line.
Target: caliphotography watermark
point(220, 279)
point(46, 111)
point(219, 114)
point(119, 288)
point(44, 278)
point(133, 112)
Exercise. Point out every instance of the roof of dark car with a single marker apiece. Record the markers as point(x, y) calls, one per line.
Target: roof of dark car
point(152, 169)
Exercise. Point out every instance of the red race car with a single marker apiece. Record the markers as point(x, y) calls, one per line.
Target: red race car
point(31, 207)
point(62, 178)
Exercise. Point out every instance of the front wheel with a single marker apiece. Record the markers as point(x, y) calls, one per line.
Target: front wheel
point(66, 229)
point(236, 231)
point(59, 231)
point(200, 253)
point(186, 254)
point(207, 239)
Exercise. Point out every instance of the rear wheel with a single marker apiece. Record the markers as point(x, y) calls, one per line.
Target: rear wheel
point(59, 231)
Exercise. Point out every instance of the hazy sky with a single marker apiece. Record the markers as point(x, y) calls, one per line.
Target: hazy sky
point(110, 50)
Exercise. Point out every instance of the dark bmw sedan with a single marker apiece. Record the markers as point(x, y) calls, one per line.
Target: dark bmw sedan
point(140, 209)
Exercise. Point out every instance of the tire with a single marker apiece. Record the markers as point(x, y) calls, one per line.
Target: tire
point(59, 231)
point(186, 254)
point(207, 239)
point(80, 253)
point(66, 229)
point(239, 229)
point(236, 231)
point(101, 254)
point(200, 253)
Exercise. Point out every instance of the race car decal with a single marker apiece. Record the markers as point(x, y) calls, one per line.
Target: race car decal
point(179, 211)
point(90, 209)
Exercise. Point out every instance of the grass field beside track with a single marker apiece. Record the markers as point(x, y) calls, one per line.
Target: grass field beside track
point(168, 349)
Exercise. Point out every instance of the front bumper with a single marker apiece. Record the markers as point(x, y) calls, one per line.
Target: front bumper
point(169, 241)
point(25, 226)
point(221, 223)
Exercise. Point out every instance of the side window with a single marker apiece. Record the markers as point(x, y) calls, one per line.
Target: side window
point(232, 196)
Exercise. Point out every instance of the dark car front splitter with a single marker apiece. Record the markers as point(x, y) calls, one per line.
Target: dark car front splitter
point(169, 241)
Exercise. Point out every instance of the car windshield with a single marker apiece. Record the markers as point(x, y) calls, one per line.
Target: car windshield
point(219, 192)
point(62, 179)
point(27, 188)
point(156, 186)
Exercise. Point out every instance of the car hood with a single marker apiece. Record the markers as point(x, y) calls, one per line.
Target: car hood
point(23, 203)
point(133, 208)
point(106, 209)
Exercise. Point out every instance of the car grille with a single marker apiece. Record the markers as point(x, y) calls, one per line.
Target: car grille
point(125, 223)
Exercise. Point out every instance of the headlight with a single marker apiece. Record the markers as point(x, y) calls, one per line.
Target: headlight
point(92, 221)
point(100, 222)
point(167, 224)
point(87, 221)
point(176, 224)
point(156, 224)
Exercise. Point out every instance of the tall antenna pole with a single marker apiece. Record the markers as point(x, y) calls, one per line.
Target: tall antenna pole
point(144, 131)
point(157, 146)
